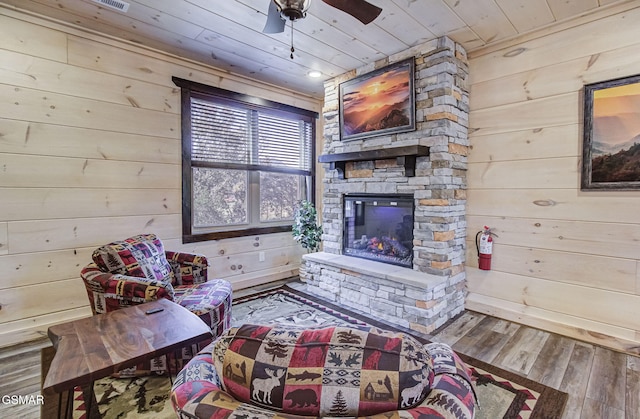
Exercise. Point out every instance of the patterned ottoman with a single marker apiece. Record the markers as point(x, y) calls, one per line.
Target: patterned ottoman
point(270, 371)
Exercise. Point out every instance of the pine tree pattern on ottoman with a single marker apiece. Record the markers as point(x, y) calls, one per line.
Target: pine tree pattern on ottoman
point(287, 372)
point(332, 371)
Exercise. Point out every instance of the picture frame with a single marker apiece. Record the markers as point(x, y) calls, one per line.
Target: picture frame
point(611, 135)
point(378, 103)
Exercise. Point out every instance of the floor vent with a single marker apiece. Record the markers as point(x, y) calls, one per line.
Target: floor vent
point(114, 4)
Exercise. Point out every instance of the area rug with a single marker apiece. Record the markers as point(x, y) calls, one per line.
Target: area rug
point(127, 398)
point(501, 394)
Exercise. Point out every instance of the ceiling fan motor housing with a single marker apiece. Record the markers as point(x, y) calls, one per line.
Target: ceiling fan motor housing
point(293, 9)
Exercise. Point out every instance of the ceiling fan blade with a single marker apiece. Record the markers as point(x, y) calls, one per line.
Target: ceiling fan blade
point(275, 22)
point(362, 10)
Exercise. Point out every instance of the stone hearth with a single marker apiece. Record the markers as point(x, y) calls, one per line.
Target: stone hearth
point(426, 296)
point(399, 295)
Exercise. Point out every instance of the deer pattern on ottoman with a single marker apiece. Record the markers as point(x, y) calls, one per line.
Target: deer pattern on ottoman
point(289, 372)
point(331, 371)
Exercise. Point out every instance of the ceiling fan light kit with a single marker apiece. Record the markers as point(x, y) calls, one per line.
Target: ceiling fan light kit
point(281, 10)
point(293, 9)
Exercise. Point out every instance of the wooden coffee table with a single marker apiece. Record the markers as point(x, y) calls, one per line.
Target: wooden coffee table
point(95, 347)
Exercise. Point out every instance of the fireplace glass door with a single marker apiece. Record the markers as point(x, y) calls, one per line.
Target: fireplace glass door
point(379, 227)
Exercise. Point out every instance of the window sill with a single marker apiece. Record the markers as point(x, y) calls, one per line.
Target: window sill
point(193, 238)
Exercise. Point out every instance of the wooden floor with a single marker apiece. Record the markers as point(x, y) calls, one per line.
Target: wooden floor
point(600, 383)
point(20, 376)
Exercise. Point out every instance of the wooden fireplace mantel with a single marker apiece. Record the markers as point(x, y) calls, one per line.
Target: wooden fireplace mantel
point(405, 156)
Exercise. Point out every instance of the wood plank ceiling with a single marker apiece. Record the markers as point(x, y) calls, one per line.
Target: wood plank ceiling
point(227, 34)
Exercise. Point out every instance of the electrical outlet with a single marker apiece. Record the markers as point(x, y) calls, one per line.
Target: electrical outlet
point(261, 256)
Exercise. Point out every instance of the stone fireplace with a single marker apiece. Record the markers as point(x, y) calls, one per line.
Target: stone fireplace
point(408, 185)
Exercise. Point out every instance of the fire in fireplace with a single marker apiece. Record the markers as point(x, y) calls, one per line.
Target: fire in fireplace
point(379, 227)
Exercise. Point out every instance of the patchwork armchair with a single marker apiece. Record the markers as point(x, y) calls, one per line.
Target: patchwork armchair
point(138, 270)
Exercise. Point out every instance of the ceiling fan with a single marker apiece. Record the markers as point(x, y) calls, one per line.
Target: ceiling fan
point(281, 10)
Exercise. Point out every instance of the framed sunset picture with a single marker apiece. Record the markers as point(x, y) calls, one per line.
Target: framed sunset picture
point(611, 151)
point(378, 103)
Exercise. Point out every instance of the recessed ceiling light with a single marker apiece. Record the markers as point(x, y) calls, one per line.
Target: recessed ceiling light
point(314, 74)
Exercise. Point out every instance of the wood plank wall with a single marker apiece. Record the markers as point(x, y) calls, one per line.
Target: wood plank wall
point(89, 153)
point(565, 260)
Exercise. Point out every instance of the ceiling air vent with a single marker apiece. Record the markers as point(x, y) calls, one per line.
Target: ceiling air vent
point(114, 4)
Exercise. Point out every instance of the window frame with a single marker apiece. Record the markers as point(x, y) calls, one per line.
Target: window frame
point(199, 90)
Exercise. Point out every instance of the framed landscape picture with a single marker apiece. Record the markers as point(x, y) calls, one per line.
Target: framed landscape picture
point(611, 151)
point(378, 103)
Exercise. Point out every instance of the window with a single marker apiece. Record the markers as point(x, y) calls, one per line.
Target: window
point(246, 162)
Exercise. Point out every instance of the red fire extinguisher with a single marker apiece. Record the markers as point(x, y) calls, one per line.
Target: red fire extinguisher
point(485, 248)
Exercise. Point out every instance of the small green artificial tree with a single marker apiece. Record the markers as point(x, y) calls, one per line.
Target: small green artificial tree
point(306, 230)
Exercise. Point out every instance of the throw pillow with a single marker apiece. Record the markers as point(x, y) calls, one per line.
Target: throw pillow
point(141, 256)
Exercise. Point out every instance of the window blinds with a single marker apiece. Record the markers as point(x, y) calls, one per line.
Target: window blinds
point(226, 134)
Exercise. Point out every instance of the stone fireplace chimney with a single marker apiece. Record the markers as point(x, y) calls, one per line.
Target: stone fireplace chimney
point(430, 164)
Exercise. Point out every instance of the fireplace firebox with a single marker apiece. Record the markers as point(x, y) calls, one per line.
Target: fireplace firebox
point(379, 227)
